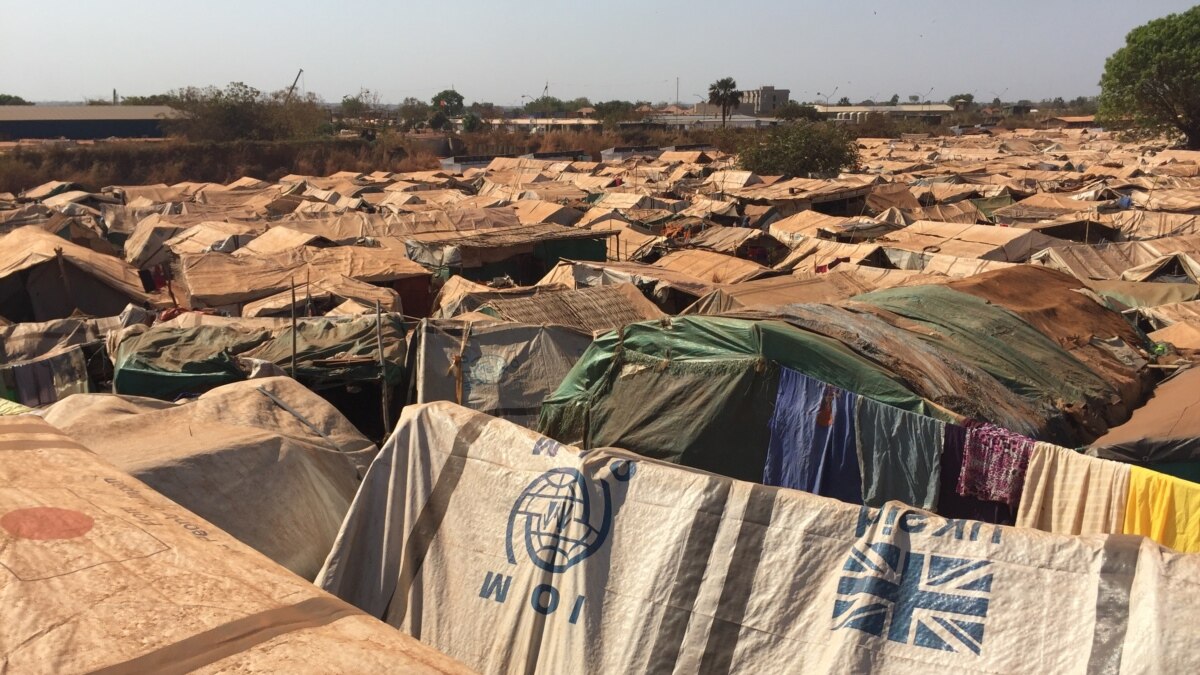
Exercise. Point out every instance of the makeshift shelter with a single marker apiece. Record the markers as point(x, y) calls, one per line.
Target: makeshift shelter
point(166, 361)
point(524, 253)
point(505, 369)
point(1007, 348)
point(774, 293)
point(547, 535)
point(715, 268)
point(45, 277)
point(591, 310)
point(691, 390)
point(268, 447)
point(112, 576)
point(667, 288)
point(986, 242)
point(1164, 434)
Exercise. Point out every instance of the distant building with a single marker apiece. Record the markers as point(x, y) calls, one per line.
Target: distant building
point(1072, 122)
point(927, 112)
point(701, 121)
point(83, 122)
point(760, 102)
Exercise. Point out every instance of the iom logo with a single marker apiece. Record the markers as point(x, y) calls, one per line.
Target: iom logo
point(932, 601)
point(560, 519)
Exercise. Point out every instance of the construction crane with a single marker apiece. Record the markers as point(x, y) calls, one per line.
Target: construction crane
point(288, 99)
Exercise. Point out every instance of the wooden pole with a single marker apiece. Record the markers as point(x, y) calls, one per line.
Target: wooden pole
point(62, 272)
point(383, 384)
point(293, 281)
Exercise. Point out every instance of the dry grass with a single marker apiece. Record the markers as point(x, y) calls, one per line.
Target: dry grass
point(105, 164)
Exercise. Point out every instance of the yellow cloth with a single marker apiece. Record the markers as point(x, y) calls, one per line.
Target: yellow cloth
point(1164, 508)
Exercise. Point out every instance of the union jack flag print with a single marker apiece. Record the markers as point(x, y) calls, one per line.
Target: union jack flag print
point(931, 601)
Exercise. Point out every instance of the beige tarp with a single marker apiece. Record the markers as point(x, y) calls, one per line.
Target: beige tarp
point(597, 309)
point(110, 576)
point(1184, 335)
point(514, 553)
point(987, 242)
point(99, 285)
point(715, 268)
point(237, 458)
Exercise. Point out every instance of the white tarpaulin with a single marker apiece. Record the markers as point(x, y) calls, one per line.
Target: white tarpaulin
point(516, 554)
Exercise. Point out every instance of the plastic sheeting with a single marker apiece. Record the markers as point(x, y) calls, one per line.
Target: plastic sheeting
point(110, 576)
point(237, 458)
point(516, 554)
point(502, 369)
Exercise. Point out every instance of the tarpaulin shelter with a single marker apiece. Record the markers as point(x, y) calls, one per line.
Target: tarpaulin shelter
point(514, 553)
point(671, 290)
point(714, 268)
point(267, 460)
point(112, 576)
point(1006, 347)
point(591, 310)
point(166, 361)
point(1164, 434)
point(45, 277)
point(699, 390)
point(504, 369)
point(525, 252)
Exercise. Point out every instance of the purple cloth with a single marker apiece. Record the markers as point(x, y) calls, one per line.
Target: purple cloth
point(812, 446)
point(953, 505)
point(994, 464)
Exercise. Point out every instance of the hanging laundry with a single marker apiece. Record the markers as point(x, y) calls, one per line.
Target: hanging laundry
point(899, 454)
point(1164, 508)
point(994, 464)
point(953, 505)
point(812, 445)
point(1070, 493)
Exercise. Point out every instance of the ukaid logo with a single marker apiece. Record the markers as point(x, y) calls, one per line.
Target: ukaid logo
point(927, 600)
point(559, 520)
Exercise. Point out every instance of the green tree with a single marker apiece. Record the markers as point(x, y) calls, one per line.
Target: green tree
point(471, 122)
point(1152, 84)
point(724, 93)
point(806, 149)
point(153, 99)
point(353, 107)
point(894, 100)
point(794, 111)
point(449, 101)
point(968, 99)
point(241, 112)
point(10, 99)
point(546, 106)
point(412, 112)
point(845, 100)
point(438, 120)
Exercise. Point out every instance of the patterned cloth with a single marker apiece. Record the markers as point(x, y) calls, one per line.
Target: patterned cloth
point(994, 464)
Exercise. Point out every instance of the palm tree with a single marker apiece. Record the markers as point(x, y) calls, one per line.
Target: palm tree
point(724, 92)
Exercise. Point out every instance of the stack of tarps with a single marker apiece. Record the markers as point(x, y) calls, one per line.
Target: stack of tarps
point(169, 360)
point(591, 310)
point(1005, 346)
point(43, 277)
point(699, 390)
point(516, 554)
point(503, 369)
point(267, 461)
point(111, 576)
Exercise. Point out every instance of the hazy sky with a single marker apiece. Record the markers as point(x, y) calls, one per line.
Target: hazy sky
point(496, 51)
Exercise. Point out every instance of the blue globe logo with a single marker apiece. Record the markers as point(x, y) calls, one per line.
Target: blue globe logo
point(555, 516)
